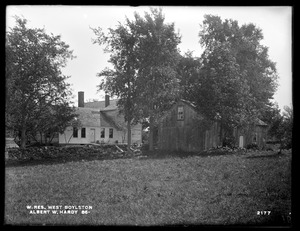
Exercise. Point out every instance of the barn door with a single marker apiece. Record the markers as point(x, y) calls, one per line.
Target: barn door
point(241, 142)
point(92, 135)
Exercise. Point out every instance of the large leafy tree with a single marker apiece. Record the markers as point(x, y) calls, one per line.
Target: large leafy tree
point(144, 56)
point(270, 113)
point(121, 79)
point(52, 119)
point(188, 70)
point(237, 79)
point(158, 57)
point(36, 90)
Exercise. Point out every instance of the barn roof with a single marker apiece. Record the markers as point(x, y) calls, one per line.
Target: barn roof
point(192, 105)
point(257, 121)
point(189, 103)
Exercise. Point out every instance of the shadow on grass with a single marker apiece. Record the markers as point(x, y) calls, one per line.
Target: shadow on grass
point(56, 161)
point(275, 155)
point(162, 154)
point(156, 154)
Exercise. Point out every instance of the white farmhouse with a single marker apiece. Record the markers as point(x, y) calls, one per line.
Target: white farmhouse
point(101, 122)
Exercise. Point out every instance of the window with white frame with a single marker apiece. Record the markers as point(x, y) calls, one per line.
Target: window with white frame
point(102, 134)
point(254, 140)
point(75, 132)
point(82, 132)
point(111, 133)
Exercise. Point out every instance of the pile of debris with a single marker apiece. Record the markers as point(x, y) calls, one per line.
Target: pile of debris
point(121, 150)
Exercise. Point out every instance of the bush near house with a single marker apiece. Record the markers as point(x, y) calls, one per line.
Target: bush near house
point(252, 146)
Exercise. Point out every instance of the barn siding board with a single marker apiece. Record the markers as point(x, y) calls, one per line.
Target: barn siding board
point(188, 138)
point(185, 135)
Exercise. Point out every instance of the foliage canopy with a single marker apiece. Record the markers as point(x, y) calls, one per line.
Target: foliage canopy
point(36, 91)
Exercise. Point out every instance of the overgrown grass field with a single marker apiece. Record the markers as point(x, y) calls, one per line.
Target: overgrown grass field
point(204, 190)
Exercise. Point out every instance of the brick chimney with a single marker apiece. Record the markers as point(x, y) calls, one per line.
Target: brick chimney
point(106, 100)
point(80, 99)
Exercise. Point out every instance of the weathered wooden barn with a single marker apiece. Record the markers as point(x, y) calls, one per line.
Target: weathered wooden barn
point(179, 130)
point(183, 129)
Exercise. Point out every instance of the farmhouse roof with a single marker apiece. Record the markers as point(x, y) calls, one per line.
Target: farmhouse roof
point(112, 120)
point(101, 105)
point(91, 117)
point(95, 114)
point(88, 117)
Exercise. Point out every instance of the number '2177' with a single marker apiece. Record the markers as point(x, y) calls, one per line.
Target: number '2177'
point(263, 212)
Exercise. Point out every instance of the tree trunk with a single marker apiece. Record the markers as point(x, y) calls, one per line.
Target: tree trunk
point(45, 139)
point(34, 138)
point(128, 136)
point(23, 137)
point(221, 133)
point(280, 147)
point(151, 132)
point(53, 134)
point(41, 137)
point(70, 138)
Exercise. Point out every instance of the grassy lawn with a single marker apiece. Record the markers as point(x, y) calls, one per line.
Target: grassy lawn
point(208, 190)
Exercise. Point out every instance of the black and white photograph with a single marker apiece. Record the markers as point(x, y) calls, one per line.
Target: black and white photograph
point(148, 115)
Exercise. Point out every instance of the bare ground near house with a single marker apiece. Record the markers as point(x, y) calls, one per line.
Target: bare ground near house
point(231, 189)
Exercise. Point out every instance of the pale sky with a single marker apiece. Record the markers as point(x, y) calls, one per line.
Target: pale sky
point(73, 24)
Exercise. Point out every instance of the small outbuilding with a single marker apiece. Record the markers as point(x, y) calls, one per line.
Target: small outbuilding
point(254, 135)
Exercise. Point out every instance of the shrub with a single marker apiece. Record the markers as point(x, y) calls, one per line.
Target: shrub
point(286, 144)
point(229, 142)
point(252, 146)
point(145, 147)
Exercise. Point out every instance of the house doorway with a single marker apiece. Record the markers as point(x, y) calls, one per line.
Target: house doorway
point(92, 135)
point(241, 142)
